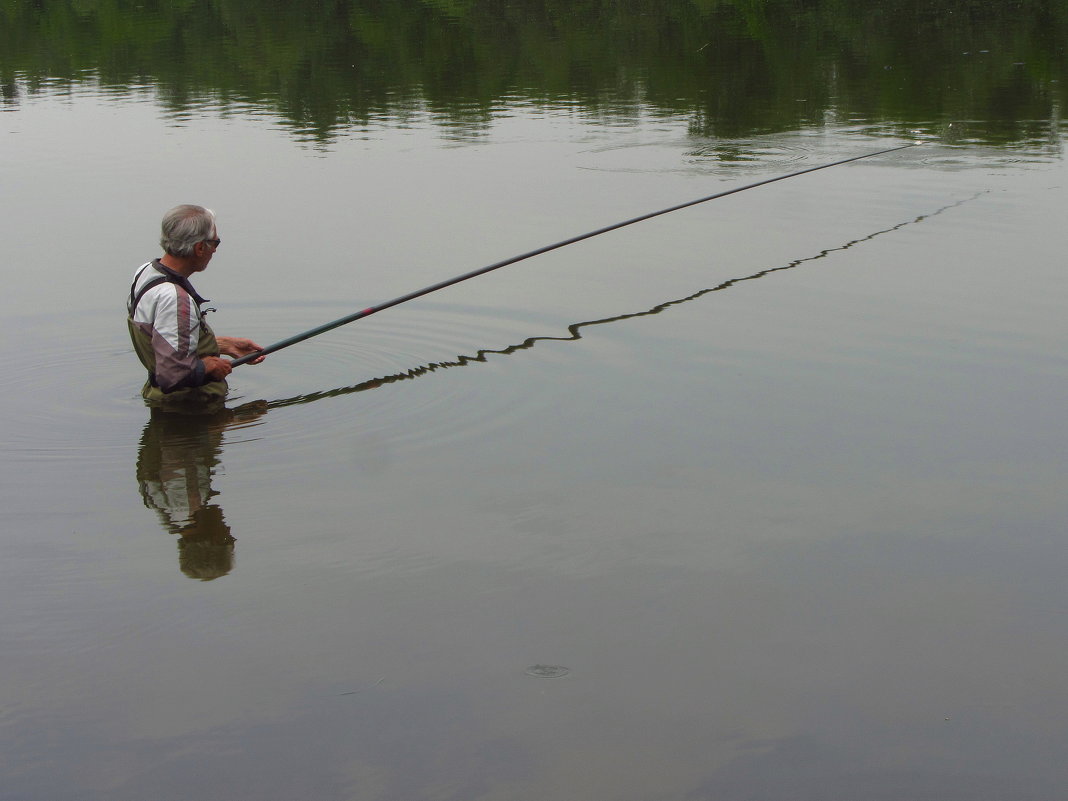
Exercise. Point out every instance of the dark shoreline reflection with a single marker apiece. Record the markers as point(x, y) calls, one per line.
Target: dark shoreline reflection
point(732, 68)
point(575, 329)
point(176, 463)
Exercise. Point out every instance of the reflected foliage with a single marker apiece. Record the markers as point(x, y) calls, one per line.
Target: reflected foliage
point(734, 67)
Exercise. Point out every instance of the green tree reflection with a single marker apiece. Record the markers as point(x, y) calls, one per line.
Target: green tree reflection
point(735, 67)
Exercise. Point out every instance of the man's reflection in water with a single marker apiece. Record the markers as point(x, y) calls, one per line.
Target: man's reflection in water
point(175, 466)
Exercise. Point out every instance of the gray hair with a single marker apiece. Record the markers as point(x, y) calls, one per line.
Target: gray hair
point(184, 226)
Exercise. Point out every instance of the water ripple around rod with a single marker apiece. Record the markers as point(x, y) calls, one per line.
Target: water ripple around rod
point(383, 357)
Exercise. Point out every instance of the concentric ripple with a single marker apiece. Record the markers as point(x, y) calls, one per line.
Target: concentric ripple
point(415, 378)
point(712, 156)
point(75, 396)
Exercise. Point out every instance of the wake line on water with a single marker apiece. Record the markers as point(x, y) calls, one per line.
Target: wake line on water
point(575, 329)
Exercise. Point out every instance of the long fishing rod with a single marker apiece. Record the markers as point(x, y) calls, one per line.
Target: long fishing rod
point(322, 329)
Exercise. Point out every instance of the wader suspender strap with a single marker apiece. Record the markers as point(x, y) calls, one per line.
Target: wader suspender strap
point(162, 279)
point(134, 300)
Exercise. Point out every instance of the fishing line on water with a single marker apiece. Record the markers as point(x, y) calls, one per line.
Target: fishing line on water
point(575, 329)
point(322, 329)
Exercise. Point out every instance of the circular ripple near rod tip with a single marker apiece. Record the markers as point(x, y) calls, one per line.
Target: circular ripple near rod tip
point(416, 381)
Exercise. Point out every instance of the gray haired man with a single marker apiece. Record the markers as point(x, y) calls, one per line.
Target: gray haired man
point(170, 335)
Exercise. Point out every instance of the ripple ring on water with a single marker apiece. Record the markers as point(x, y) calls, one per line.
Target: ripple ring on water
point(547, 671)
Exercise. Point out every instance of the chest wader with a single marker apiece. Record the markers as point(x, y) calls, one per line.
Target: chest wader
point(194, 399)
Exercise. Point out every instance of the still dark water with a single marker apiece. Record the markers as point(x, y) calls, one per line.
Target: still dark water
point(779, 479)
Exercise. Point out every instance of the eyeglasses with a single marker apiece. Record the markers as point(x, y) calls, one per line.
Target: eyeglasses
point(214, 243)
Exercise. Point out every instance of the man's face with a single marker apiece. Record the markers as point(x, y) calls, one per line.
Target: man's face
point(205, 249)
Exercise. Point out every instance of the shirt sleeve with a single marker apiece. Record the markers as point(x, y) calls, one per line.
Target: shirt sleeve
point(175, 331)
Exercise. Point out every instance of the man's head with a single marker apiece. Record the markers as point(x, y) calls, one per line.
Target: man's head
point(188, 232)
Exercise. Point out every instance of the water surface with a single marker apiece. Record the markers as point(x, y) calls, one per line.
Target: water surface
point(778, 478)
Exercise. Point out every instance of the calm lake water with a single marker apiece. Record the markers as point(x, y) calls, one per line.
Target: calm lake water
point(779, 479)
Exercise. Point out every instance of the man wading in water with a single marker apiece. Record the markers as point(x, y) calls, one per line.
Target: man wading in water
point(171, 337)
